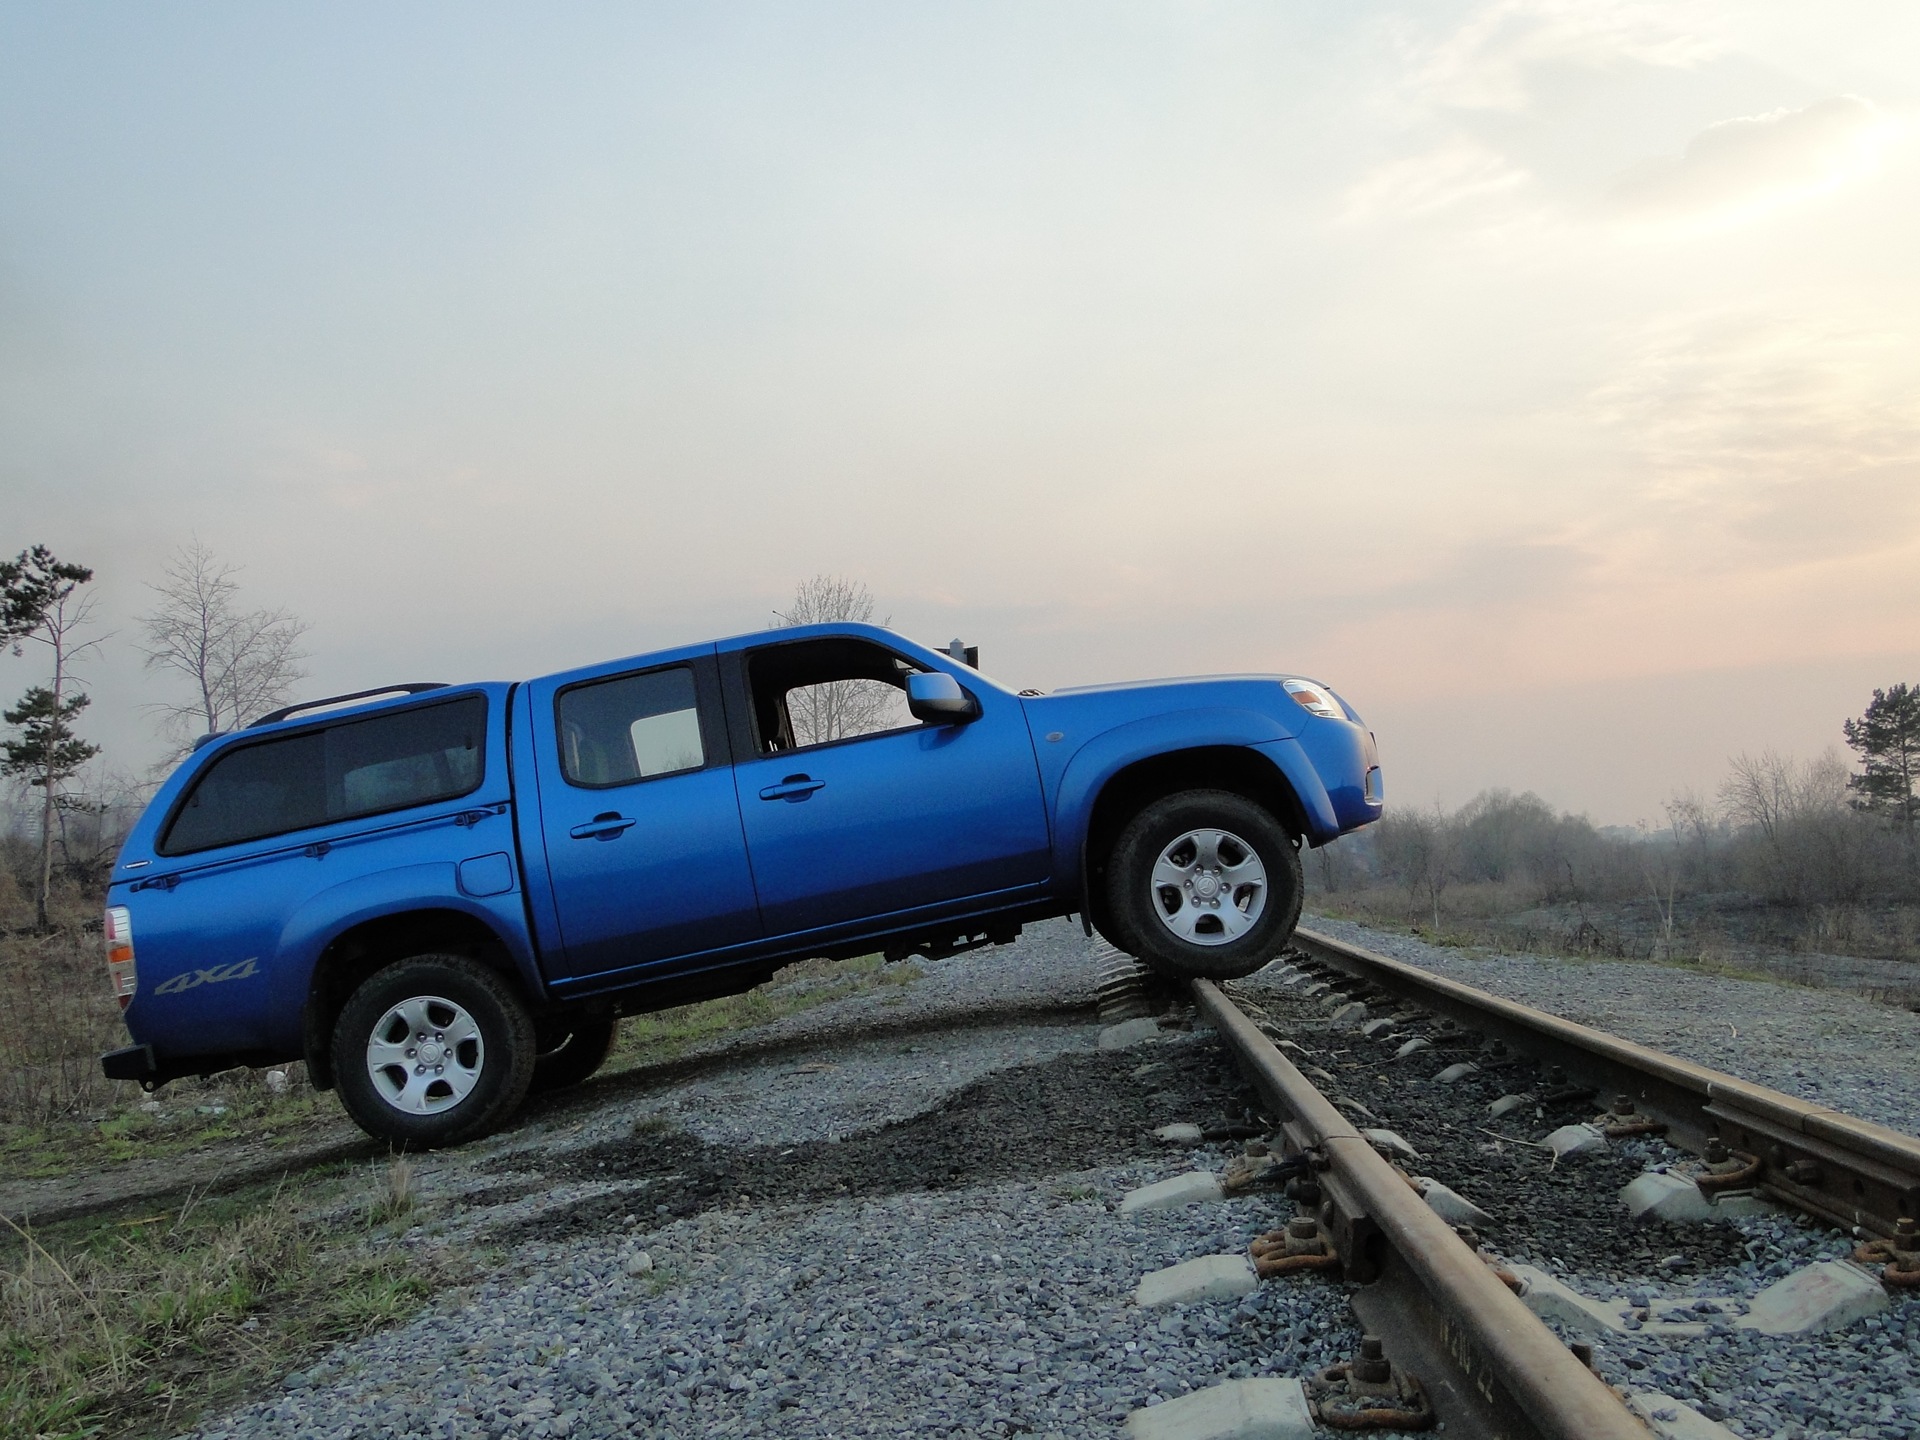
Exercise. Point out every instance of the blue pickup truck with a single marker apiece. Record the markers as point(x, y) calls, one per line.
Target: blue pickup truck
point(446, 896)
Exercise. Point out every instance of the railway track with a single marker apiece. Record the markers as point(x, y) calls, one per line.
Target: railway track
point(1459, 1344)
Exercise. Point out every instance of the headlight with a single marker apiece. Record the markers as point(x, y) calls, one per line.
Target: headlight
point(1314, 700)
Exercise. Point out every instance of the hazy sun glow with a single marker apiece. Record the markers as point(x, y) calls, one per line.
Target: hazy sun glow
point(1541, 373)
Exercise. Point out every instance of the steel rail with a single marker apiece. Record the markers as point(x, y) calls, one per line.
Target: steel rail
point(1491, 1366)
point(1854, 1173)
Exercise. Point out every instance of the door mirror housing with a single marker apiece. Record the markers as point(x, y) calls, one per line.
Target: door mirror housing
point(936, 697)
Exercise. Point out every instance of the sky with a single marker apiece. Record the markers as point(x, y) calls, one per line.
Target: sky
point(1542, 374)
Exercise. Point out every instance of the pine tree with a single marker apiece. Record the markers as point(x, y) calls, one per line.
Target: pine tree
point(1887, 738)
point(46, 752)
point(37, 603)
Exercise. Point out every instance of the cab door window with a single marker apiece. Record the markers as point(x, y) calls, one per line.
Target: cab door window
point(814, 692)
point(633, 727)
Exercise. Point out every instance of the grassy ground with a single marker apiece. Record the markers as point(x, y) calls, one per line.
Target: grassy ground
point(1471, 933)
point(130, 1325)
point(646, 1039)
point(59, 1116)
point(231, 1108)
point(1705, 926)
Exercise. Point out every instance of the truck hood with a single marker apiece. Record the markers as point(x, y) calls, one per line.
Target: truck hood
point(1105, 706)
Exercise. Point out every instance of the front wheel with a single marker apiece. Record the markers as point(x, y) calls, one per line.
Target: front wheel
point(1206, 885)
point(432, 1051)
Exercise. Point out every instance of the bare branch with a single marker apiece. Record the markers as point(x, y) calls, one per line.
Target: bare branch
point(826, 598)
point(240, 663)
point(839, 708)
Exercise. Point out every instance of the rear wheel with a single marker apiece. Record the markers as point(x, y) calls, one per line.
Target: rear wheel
point(569, 1054)
point(432, 1051)
point(1205, 884)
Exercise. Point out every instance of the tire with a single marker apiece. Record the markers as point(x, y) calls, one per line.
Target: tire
point(568, 1056)
point(460, 1092)
point(1206, 885)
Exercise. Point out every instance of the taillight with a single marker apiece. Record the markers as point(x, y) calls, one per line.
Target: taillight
point(119, 932)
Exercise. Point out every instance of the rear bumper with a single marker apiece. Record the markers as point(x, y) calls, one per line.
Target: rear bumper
point(138, 1062)
point(134, 1062)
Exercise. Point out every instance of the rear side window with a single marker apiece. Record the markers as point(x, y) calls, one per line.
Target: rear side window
point(318, 777)
point(613, 732)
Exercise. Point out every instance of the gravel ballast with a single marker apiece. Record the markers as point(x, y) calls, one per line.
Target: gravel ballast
point(995, 1310)
point(897, 1213)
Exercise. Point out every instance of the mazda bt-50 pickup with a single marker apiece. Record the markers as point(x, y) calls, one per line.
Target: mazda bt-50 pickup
point(442, 896)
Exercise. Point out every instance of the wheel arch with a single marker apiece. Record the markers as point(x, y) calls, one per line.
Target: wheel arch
point(1236, 768)
point(360, 950)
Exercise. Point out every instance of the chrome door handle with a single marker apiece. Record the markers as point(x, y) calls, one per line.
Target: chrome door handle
point(794, 787)
point(601, 827)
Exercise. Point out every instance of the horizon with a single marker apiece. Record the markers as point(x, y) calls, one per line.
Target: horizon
point(1540, 374)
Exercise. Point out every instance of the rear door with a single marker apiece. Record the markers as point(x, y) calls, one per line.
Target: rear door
point(645, 855)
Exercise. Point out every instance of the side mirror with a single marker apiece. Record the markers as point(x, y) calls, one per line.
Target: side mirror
point(936, 696)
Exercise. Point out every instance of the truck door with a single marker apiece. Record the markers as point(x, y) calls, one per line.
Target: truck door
point(645, 855)
point(855, 811)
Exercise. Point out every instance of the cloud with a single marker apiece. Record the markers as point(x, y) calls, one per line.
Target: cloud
point(1493, 61)
point(1498, 59)
point(1736, 170)
point(1419, 185)
point(1496, 575)
point(1793, 439)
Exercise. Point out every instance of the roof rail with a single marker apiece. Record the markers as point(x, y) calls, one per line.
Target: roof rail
point(410, 688)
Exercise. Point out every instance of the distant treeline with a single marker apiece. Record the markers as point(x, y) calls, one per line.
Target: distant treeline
point(1790, 832)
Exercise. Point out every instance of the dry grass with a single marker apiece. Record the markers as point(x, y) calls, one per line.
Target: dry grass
point(400, 1194)
point(1869, 950)
point(114, 1326)
point(1479, 914)
point(58, 1113)
point(130, 1324)
point(56, 1017)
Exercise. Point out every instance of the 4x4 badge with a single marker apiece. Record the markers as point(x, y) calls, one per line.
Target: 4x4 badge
point(187, 979)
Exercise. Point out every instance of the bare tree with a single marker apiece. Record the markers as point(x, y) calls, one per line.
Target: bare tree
point(1663, 858)
point(240, 662)
point(827, 598)
point(1809, 845)
point(37, 603)
point(838, 708)
point(94, 820)
point(1421, 849)
point(1339, 867)
point(1759, 792)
